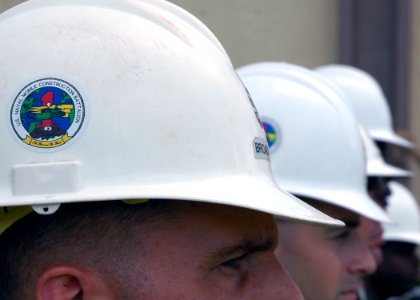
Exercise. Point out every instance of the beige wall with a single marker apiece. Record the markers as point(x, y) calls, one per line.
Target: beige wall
point(5, 4)
point(297, 31)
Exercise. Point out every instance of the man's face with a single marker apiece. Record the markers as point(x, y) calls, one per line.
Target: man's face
point(371, 231)
point(215, 252)
point(326, 263)
point(378, 190)
point(398, 272)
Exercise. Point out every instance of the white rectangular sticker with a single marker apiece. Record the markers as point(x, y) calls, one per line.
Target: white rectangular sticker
point(261, 150)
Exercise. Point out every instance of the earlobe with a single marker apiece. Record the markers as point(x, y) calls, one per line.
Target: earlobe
point(60, 282)
point(64, 282)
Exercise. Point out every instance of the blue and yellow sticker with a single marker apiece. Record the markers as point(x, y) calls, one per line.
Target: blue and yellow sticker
point(47, 114)
point(272, 133)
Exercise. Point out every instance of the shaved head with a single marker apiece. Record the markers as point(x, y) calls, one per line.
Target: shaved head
point(104, 237)
point(158, 250)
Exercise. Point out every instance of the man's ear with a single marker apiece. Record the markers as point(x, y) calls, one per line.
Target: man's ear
point(64, 282)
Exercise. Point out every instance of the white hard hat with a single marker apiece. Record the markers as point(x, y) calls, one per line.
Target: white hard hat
point(376, 165)
point(316, 149)
point(367, 101)
point(104, 100)
point(404, 210)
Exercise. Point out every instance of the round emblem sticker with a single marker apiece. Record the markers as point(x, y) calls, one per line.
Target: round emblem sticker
point(47, 114)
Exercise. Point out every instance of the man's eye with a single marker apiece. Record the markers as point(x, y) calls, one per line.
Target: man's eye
point(233, 263)
point(235, 266)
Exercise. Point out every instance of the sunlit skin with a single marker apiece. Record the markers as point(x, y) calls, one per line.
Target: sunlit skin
point(326, 263)
point(217, 252)
point(201, 251)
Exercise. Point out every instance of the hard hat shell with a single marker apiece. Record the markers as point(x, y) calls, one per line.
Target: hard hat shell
point(316, 149)
point(149, 110)
point(404, 210)
point(367, 101)
point(376, 165)
point(171, 12)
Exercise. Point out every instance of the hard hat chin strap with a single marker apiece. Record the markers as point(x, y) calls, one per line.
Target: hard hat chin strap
point(12, 214)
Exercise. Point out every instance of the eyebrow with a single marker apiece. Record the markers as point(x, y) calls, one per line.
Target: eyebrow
point(244, 247)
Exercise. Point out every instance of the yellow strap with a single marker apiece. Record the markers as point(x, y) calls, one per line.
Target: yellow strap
point(135, 201)
point(10, 215)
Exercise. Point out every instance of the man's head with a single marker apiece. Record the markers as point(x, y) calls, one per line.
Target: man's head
point(312, 135)
point(370, 230)
point(365, 99)
point(398, 272)
point(326, 263)
point(156, 250)
point(318, 154)
point(117, 100)
point(379, 173)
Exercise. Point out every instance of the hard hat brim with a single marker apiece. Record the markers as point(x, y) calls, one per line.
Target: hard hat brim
point(390, 137)
point(240, 191)
point(355, 201)
point(408, 237)
point(381, 169)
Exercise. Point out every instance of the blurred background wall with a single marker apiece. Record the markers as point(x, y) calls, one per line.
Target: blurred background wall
point(298, 31)
point(414, 99)
point(379, 36)
point(5, 4)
